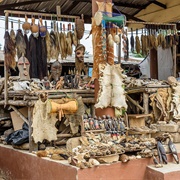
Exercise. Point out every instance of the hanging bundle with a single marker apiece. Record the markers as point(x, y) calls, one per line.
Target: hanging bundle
point(12, 34)
point(20, 43)
point(138, 45)
point(132, 41)
point(9, 51)
point(79, 25)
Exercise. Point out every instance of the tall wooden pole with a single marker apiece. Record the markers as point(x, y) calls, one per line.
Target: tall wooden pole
point(153, 64)
point(109, 110)
point(174, 56)
point(5, 68)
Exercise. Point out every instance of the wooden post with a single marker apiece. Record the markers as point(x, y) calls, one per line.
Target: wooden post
point(32, 145)
point(174, 57)
point(146, 102)
point(153, 64)
point(5, 68)
point(109, 110)
point(58, 12)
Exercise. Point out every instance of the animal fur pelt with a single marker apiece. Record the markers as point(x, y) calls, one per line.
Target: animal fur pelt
point(20, 43)
point(97, 49)
point(42, 58)
point(44, 122)
point(69, 43)
point(111, 91)
point(37, 57)
point(27, 54)
point(33, 57)
point(13, 36)
point(63, 44)
point(138, 45)
point(48, 46)
point(54, 47)
point(9, 51)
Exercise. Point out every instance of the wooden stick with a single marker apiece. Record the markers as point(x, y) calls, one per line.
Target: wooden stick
point(5, 68)
point(39, 14)
point(64, 135)
point(135, 103)
point(20, 114)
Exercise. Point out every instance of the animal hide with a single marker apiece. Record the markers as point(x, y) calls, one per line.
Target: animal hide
point(42, 58)
point(105, 90)
point(175, 105)
point(63, 44)
point(44, 122)
point(20, 43)
point(54, 46)
point(138, 45)
point(111, 92)
point(33, 49)
point(118, 99)
point(97, 49)
point(48, 46)
point(160, 103)
point(69, 43)
point(9, 51)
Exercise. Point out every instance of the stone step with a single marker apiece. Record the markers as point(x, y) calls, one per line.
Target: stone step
point(167, 172)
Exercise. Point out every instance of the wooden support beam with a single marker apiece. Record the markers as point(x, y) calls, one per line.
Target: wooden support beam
point(135, 103)
point(158, 3)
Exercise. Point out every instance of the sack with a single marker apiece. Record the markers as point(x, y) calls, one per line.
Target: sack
point(19, 137)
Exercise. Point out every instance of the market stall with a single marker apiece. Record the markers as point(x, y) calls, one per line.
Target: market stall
point(126, 114)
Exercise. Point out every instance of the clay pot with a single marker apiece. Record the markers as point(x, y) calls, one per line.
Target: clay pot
point(34, 27)
point(26, 26)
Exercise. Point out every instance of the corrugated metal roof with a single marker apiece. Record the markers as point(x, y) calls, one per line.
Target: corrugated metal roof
point(73, 7)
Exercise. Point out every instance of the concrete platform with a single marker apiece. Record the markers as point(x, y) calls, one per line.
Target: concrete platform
point(167, 172)
point(22, 165)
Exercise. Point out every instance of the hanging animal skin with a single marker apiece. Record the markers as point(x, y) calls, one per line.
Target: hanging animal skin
point(79, 25)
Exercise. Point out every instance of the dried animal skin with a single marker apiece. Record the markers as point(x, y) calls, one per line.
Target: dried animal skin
point(138, 45)
point(54, 49)
point(13, 36)
point(9, 51)
point(74, 38)
point(48, 45)
point(20, 43)
point(118, 98)
point(97, 49)
point(44, 122)
point(69, 44)
point(104, 94)
point(63, 44)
